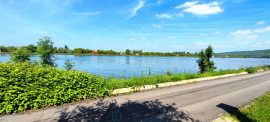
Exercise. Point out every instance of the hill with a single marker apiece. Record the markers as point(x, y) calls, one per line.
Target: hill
point(246, 54)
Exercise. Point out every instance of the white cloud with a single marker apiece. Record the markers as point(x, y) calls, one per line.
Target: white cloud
point(136, 8)
point(187, 4)
point(200, 43)
point(260, 23)
point(267, 42)
point(244, 36)
point(179, 15)
point(250, 33)
point(201, 9)
point(143, 38)
point(86, 13)
point(169, 16)
point(262, 30)
point(156, 26)
point(164, 16)
point(241, 32)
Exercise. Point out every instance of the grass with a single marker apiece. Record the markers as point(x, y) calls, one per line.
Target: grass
point(258, 111)
point(113, 83)
point(251, 70)
point(136, 81)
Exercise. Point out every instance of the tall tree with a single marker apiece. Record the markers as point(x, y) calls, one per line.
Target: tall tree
point(204, 62)
point(46, 51)
point(127, 52)
point(66, 49)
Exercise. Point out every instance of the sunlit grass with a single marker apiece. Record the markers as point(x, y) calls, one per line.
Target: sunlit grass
point(258, 111)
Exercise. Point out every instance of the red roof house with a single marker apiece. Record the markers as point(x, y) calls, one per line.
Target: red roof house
point(95, 52)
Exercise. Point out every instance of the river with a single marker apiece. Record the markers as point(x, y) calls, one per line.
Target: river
point(127, 66)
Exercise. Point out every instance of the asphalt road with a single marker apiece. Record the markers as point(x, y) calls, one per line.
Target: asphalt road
point(202, 101)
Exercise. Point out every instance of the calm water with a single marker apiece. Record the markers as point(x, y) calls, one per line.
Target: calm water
point(127, 66)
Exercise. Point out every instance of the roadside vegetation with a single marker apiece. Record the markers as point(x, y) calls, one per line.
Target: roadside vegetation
point(25, 85)
point(258, 111)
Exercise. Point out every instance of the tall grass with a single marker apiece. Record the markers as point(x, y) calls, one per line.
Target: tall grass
point(135, 81)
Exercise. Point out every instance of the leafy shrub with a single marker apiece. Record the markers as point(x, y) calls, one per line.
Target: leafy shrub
point(20, 55)
point(251, 70)
point(24, 86)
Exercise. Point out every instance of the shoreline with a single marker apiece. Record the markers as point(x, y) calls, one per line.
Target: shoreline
point(137, 55)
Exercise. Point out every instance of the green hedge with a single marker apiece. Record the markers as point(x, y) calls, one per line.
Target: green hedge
point(25, 86)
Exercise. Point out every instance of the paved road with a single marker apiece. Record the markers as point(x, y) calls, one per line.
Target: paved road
point(203, 101)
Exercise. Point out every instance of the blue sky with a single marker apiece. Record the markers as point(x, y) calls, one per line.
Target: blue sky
point(150, 25)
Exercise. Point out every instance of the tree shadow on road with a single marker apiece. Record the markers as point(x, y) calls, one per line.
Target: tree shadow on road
point(130, 111)
point(235, 112)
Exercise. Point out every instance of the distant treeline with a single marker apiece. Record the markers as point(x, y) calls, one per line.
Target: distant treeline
point(246, 54)
point(81, 51)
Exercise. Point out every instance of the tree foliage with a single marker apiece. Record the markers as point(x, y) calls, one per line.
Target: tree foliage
point(69, 64)
point(127, 52)
point(32, 48)
point(204, 62)
point(46, 51)
point(21, 55)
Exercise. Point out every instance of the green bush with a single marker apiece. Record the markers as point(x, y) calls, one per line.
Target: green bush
point(24, 86)
point(251, 70)
point(20, 55)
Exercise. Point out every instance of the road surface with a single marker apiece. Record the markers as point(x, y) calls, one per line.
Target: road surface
point(202, 101)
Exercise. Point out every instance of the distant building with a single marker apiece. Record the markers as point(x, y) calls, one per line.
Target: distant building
point(122, 53)
point(95, 52)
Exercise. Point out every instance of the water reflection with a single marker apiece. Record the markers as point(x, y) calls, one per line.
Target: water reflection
point(127, 60)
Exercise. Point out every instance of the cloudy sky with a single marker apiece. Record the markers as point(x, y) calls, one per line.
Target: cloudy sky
point(150, 25)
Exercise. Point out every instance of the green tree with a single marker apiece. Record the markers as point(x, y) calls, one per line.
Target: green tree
point(3, 49)
point(78, 50)
point(66, 49)
point(32, 48)
point(69, 64)
point(61, 50)
point(127, 52)
point(11, 48)
point(20, 55)
point(204, 62)
point(46, 51)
